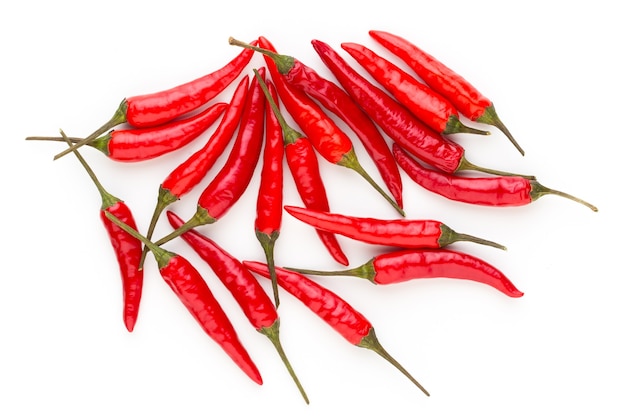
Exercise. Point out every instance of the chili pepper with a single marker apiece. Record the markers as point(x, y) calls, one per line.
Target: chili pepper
point(142, 144)
point(334, 310)
point(127, 248)
point(157, 108)
point(192, 290)
point(252, 299)
point(395, 120)
point(336, 100)
point(233, 178)
point(467, 99)
point(427, 105)
point(269, 206)
point(404, 233)
point(327, 138)
point(501, 191)
point(408, 264)
point(304, 168)
point(189, 173)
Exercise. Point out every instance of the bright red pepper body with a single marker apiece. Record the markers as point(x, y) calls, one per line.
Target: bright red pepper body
point(128, 253)
point(395, 120)
point(403, 233)
point(134, 145)
point(160, 107)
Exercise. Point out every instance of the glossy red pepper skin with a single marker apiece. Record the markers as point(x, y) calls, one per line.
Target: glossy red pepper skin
point(128, 253)
point(464, 96)
point(402, 233)
point(135, 145)
point(160, 107)
point(394, 119)
point(427, 105)
point(334, 310)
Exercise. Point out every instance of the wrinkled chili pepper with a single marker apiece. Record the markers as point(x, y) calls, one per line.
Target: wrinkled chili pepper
point(395, 120)
point(192, 290)
point(153, 109)
point(426, 104)
point(269, 206)
point(334, 310)
point(327, 138)
point(502, 191)
point(142, 144)
point(336, 100)
point(403, 233)
point(127, 248)
point(408, 264)
point(191, 171)
point(233, 178)
point(467, 99)
point(246, 290)
point(304, 168)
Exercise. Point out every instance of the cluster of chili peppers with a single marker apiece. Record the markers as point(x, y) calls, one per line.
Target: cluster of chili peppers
point(419, 113)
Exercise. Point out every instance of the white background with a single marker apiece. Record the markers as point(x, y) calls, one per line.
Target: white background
point(555, 71)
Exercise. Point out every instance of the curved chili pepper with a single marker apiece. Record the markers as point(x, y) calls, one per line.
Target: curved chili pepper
point(269, 206)
point(142, 144)
point(395, 120)
point(157, 108)
point(192, 290)
point(334, 310)
point(304, 168)
point(502, 191)
point(409, 264)
point(467, 99)
point(189, 173)
point(246, 290)
point(327, 138)
point(127, 248)
point(427, 105)
point(403, 233)
point(232, 180)
point(336, 100)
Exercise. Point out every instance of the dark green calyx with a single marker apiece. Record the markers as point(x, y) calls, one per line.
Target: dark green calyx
point(449, 236)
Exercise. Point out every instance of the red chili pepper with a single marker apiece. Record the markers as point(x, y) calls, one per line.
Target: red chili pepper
point(333, 98)
point(192, 290)
point(502, 191)
point(409, 264)
point(127, 248)
point(157, 108)
point(304, 168)
point(467, 99)
point(189, 173)
point(142, 144)
point(334, 310)
point(246, 290)
point(232, 180)
point(327, 138)
point(403, 233)
point(395, 120)
point(269, 206)
point(426, 104)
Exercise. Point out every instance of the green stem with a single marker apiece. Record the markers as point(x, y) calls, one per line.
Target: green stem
point(267, 243)
point(449, 236)
point(108, 199)
point(455, 125)
point(490, 117)
point(284, 63)
point(465, 165)
point(537, 190)
point(55, 139)
point(365, 271)
point(290, 135)
point(201, 217)
point(272, 333)
point(350, 160)
point(118, 118)
point(371, 342)
point(164, 199)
